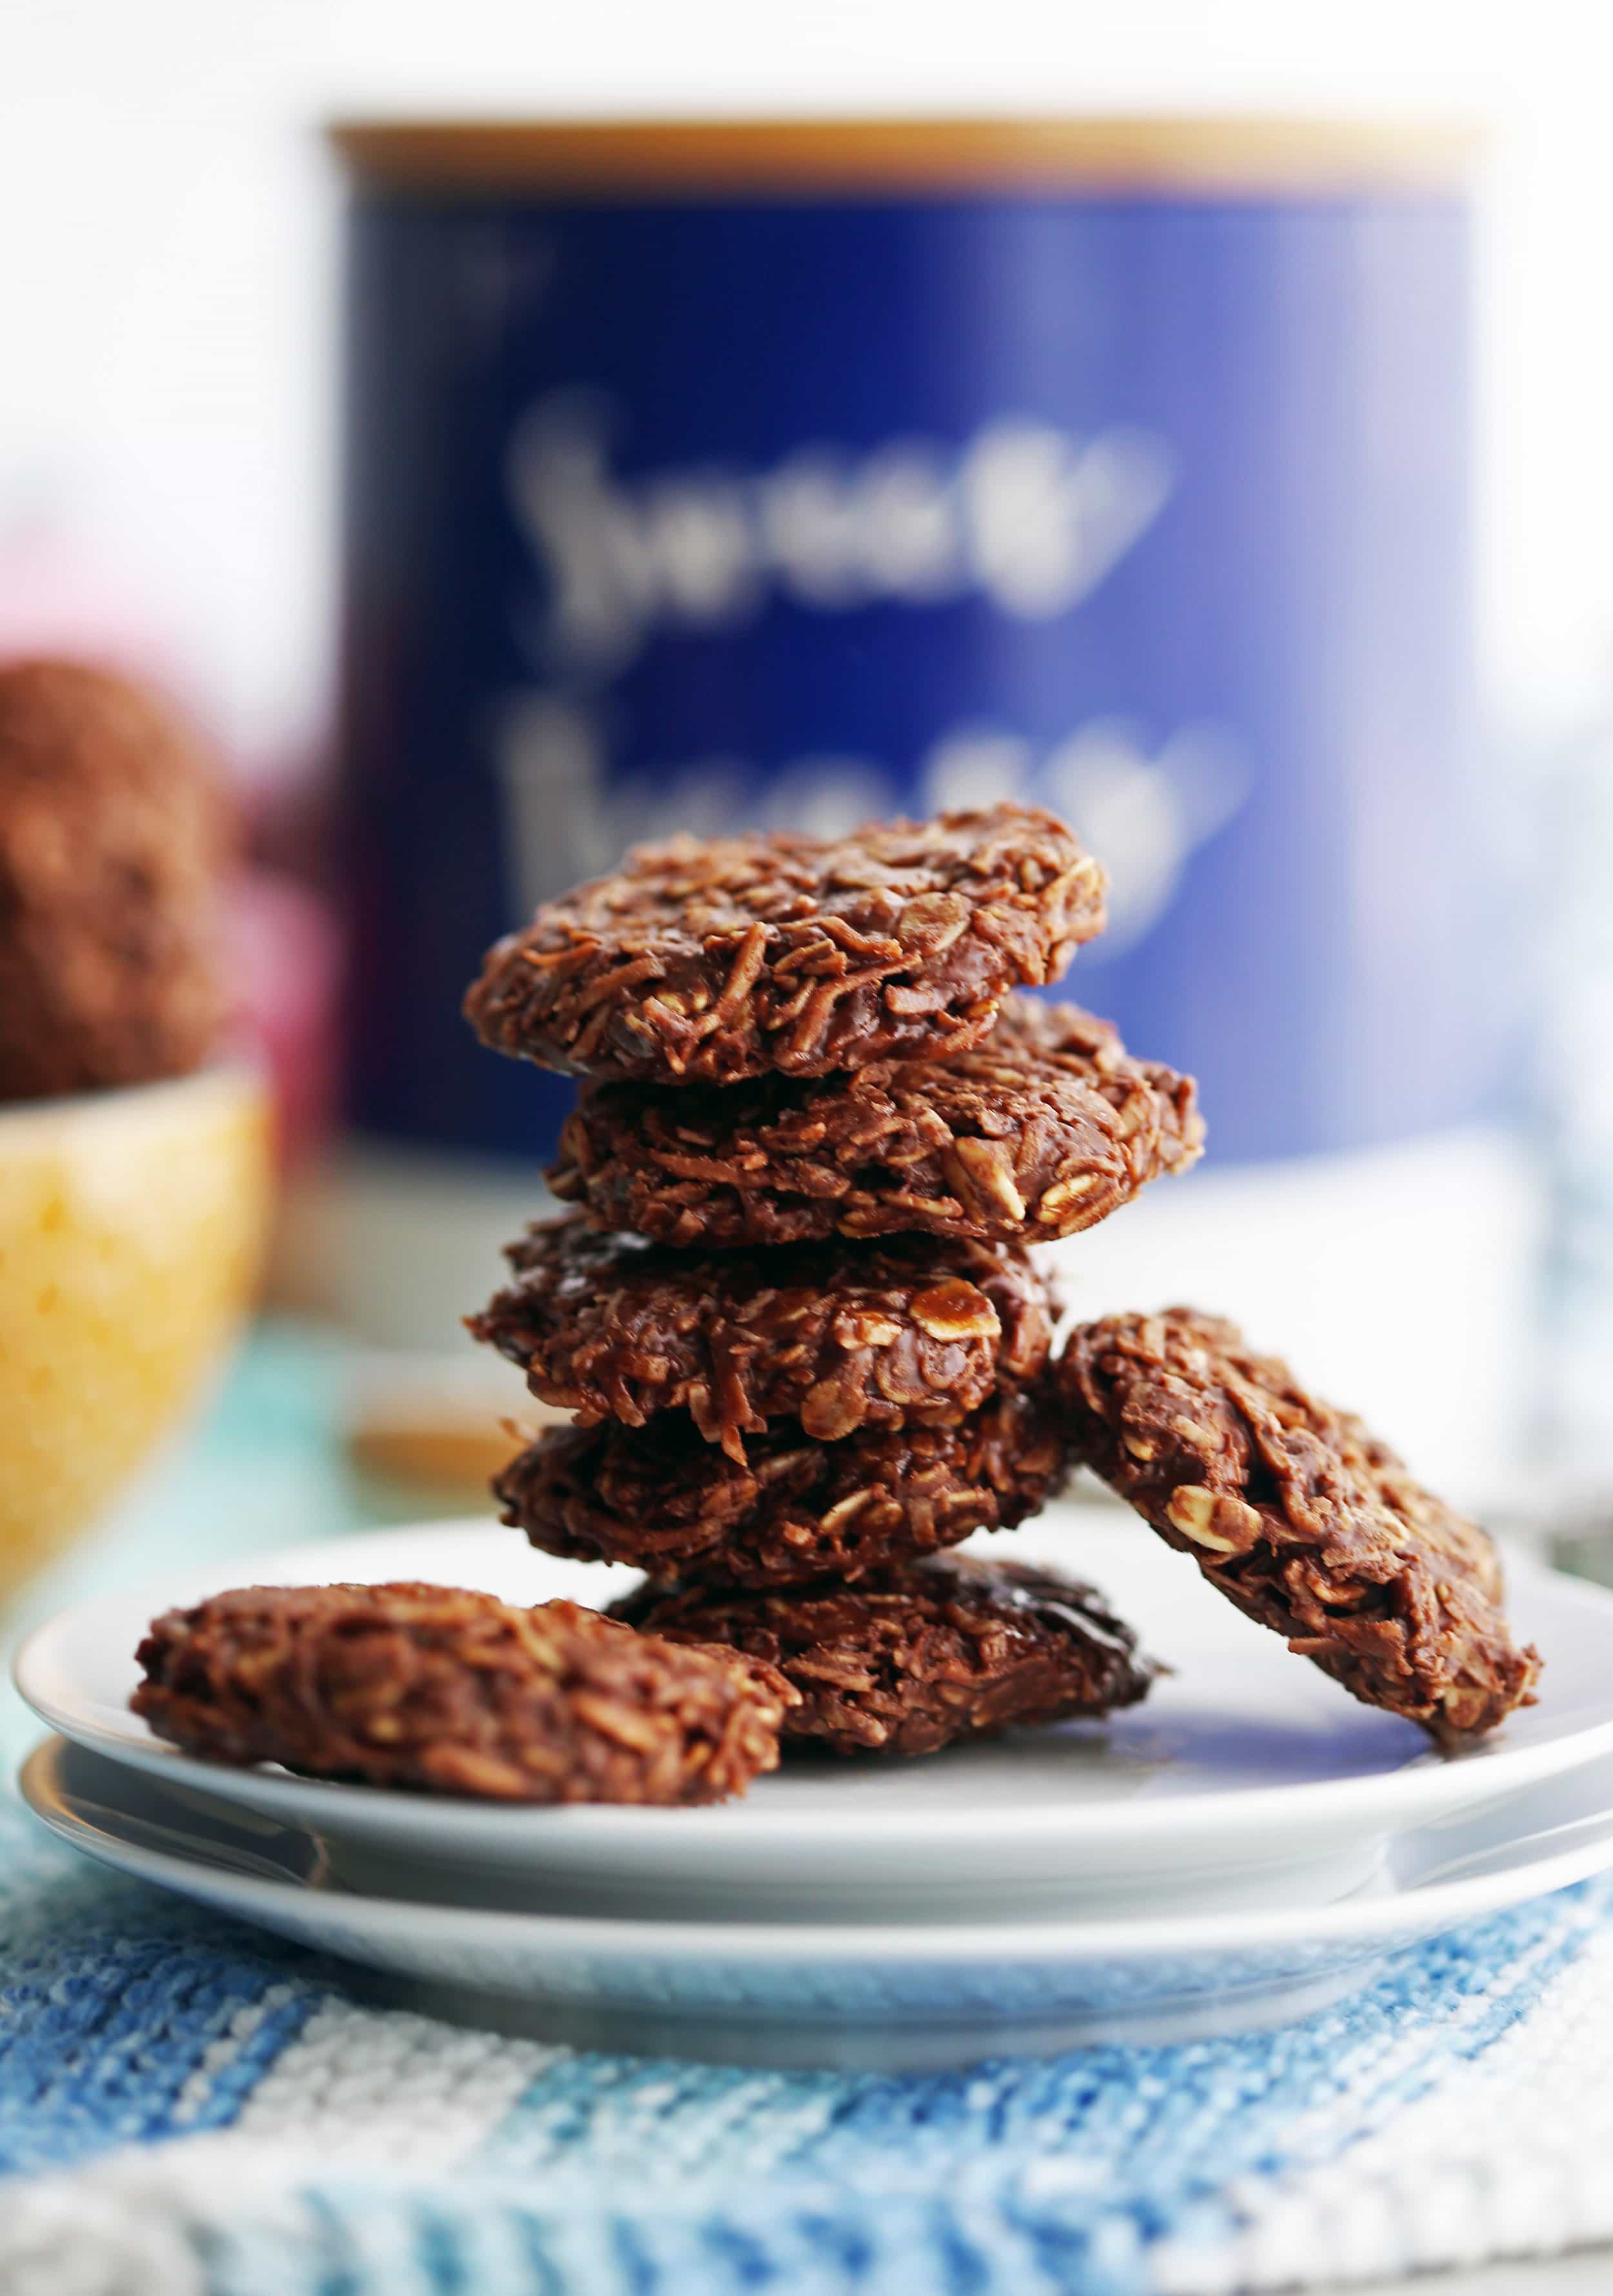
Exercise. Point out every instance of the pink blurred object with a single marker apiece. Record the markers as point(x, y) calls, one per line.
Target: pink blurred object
point(56, 599)
point(287, 957)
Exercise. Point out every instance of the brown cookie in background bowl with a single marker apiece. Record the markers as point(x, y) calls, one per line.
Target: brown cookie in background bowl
point(1045, 1128)
point(446, 1691)
point(911, 1658)
point(913, 1331)
point(1298, 1515)
point(113, 837)
point(708, 962)
point(666, 1501)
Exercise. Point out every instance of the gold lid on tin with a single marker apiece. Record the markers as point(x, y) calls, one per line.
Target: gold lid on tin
point(1222, 156)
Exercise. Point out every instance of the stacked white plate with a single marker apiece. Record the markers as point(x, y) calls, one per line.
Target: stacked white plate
point(1244, 1846)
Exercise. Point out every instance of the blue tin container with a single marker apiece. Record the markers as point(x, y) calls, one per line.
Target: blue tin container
point(800, 474)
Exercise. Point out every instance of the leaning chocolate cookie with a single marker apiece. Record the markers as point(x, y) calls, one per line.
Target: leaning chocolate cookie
point(911, 1332)
point(667, 1502)
point(1046, 1127)
point(708, 962)
point(912, 1658)
point(1296, 1512)
point(456, 1692)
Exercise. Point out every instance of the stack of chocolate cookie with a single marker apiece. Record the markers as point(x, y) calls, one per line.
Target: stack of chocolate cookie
point(819, 1356)
point(796, 1314)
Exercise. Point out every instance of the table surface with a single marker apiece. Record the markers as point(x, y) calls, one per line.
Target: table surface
point(1564, 2276)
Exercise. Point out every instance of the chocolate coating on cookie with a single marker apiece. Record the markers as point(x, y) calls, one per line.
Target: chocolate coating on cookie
point(1296, 1512)
point(908, 1661)
point(1046, 1127)
point(665, 1500)
point(451, 1692)
point(710, 961)
point(912, 1331)
point(111, 844)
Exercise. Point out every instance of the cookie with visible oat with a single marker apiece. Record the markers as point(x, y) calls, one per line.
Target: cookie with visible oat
point(1292, 1508)
point(670, 1504)
point(911, 1332)
point(1045, 1128)
point(909, 1660)
point(711, 961)
point(450, 1692)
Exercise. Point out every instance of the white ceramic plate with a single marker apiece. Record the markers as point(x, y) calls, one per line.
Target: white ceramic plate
point(1244, 1771)
point(881, 1995)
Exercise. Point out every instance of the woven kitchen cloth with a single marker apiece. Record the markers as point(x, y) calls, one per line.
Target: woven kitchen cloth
point(190, 2108)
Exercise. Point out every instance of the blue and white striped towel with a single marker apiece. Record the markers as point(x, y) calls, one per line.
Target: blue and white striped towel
point(187, 2109)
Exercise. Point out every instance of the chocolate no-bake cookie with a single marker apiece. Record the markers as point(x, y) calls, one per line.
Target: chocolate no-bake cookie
point(1294, 1509)
point(913, 1330)
point(1046, 1127)
point(712, 962)
point(111, 847)
point(909, 1660)
point(669, 1503)
point(451, 1692)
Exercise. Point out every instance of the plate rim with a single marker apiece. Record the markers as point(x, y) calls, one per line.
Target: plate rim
point(1429, 1911)
point(1420, 1790)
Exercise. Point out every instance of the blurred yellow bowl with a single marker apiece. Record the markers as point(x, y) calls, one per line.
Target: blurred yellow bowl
point(132, 1229)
